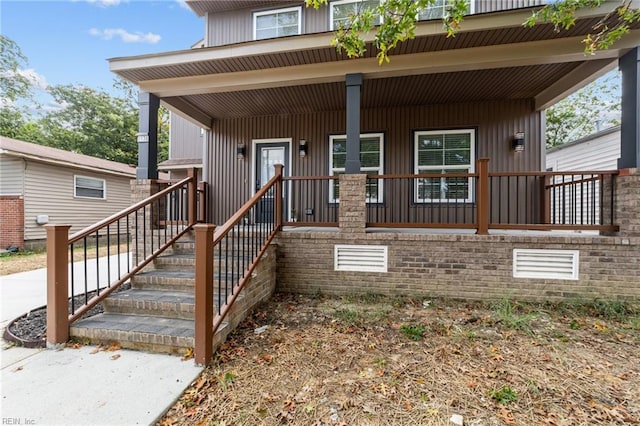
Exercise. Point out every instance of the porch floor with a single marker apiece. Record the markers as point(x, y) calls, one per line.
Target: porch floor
point(453, 231)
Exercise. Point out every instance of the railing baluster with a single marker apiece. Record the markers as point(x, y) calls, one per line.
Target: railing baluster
point(86, 274)
point(97, 263)
point(72, 279)
point(108, 258)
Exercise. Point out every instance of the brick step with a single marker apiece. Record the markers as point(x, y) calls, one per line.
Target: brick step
point(140, 332)
point(170, 304)
point(156, 334)
point(186, 261)
point(173, 280)
point(175, 262)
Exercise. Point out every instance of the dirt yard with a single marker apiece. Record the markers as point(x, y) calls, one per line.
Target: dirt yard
point(12, 263)
point(393, 361)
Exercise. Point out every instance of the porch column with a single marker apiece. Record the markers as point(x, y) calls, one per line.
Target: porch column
point(354, 88)
point(630, 130)
point(148, 136)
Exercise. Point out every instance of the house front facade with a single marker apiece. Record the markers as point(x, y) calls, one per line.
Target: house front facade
point(267, 88)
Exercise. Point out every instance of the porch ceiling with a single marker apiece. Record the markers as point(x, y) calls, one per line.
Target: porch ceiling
point(495, 58)
point(465, 86)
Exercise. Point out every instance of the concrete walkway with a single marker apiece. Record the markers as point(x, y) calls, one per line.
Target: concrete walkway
point(81, 386)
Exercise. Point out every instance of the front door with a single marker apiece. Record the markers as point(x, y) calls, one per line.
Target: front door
point(267, 155)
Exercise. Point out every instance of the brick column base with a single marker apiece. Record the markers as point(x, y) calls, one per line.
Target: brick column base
point(353, 206)
point(627, 202)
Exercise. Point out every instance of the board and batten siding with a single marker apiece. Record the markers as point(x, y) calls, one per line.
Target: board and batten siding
point(496, 123)
point(189, 137)
point(599, 151)
point(236, 26)
point(11, 175)
point(49, 190)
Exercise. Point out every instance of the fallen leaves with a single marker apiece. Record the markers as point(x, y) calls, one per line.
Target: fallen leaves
point(311, 368)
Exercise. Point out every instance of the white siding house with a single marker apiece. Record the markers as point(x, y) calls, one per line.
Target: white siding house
point(599, 151)
point(596, 152)
point(54, 186)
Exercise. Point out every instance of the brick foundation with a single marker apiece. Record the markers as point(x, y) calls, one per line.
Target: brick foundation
point(465, 266)
point(459, 266)
point(11, 221)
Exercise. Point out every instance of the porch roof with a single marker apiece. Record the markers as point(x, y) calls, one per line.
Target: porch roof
point(494, 57)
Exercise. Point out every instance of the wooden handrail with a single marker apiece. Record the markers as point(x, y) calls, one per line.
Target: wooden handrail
point(574, 182)
point(294, 178)
point(223, 230)
point(117, 216)
point(424, 176)
point(604, 173)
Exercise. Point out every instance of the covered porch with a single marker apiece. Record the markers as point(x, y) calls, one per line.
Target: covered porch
point(476, 100)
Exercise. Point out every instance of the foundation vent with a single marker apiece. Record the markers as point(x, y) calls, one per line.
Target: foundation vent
point(360, 258)
point(551, 264)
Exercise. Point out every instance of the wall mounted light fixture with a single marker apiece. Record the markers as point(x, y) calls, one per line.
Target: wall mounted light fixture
point(303, 148)
point(518, 142)
point(241, 151)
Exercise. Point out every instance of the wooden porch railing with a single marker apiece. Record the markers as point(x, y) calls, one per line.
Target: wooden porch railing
point(140, 233)
point(236, 248)
point(482, 200)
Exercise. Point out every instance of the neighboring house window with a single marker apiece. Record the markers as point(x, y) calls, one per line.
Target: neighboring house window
point(371, 163)
point(341, 10)
point(444, 151)
point(87, 187)
point(438, 8)
point(277, 23)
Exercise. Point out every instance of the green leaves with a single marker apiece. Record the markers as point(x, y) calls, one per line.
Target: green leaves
point(596, 106)
point(396, 22)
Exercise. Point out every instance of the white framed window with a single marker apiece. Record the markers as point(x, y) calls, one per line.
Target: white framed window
point(444, 151)
point(89, 187)
point(277, 23)
point(371, 163)
point(438, 9)
point(341, 10)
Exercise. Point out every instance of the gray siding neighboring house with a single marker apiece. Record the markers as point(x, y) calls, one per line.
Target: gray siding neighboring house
point(58, 187)
point(185, 148)
point(599, 151)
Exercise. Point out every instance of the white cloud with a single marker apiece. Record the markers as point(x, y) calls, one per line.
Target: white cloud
point(125, 36)
point(106, 3)
point(38, 81)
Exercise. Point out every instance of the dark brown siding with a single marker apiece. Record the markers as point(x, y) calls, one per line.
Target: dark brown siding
point(189, 136)
point(236, 26)
point(496, 122)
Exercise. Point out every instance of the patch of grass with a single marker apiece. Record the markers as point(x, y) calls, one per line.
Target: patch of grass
point(508, 316)
point(613, 309)
point(413, 331)
point(226, 379)
point(504, 395)
point(348, 315)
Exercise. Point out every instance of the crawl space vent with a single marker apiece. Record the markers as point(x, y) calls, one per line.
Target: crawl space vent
point(553, 264)
point(360, 258)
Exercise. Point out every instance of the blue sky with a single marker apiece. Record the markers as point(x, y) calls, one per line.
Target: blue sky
point(69, 41)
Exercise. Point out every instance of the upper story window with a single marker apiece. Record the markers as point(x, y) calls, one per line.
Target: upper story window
point(438, 8)
point(341, 10)
point(444, 152)
point(88, 187)
point(371, 163)
point(277, 23)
